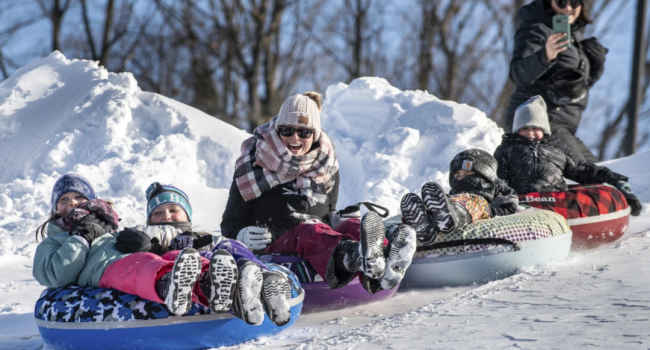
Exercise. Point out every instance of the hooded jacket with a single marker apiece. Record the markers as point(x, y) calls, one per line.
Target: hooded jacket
point(563, 82)
point(537, 166)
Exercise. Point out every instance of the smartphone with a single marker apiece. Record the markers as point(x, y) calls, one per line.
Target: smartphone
point(561, 25)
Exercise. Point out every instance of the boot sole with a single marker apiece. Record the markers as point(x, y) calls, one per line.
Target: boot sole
point(276, 293)
point(402, 250)
point(371, 245)
point(248, 305)
point(414, 213)
point(437, 205)
point(185, 273)
point(223, 281)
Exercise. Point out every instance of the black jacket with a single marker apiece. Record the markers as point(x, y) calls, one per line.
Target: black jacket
point(537, 166)
point(278, 209)
point(564, 82)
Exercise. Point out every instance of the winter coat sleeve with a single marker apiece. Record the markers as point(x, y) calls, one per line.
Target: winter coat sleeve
point(236, 215)
point(58, 262)
point(596, 54)
point(590, 173)
point(502, 156)
point(529, 60)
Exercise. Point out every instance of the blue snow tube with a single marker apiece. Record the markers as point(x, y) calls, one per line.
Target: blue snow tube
point(76, 317)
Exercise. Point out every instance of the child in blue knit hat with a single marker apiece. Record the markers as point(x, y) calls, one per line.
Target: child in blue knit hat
point(223, 273)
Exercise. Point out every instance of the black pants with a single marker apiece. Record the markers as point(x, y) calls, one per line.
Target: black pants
point(571, 145)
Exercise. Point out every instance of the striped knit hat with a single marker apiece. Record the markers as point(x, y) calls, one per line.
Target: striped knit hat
point(158, 194)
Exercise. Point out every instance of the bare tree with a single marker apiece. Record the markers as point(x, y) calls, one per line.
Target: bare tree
point(55, 11)
point(351, 36)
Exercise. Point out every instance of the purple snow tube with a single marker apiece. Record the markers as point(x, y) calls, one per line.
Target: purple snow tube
point(320, 297)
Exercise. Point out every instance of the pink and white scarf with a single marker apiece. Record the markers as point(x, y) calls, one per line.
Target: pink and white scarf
point(266, 162)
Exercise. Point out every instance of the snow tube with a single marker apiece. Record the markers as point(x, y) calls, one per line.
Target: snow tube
point(597, 214)
point(319, 296)
point(76, 317)
point(490, 249)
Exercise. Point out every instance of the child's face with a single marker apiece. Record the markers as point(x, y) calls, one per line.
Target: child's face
point(531, 133)
point(168, 213)
point(69, 201)
point(460, 174)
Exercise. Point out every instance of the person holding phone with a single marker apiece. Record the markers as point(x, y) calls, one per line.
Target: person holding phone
point(552, 58)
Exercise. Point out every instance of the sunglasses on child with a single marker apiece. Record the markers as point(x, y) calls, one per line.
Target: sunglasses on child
point(288, 131)
point(562, 3)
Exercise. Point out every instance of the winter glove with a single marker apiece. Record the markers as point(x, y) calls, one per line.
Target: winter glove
point(89, 227)
point(596, 55)
point(255, 237)
point(132, 240)
point(103, 210)
point(190, 239)
point(504, 205)
point(632, 200)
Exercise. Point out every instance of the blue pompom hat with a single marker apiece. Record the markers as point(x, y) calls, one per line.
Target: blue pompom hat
point(159, 194)
point(71, 183)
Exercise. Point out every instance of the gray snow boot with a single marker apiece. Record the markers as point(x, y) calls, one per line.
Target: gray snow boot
point(175, 288)
point(247, 303)
point(371, 245)
point(403, 243)
point(276, 293)
point(221, 281)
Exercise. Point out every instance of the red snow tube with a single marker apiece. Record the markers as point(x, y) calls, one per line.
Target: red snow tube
point(597, 214)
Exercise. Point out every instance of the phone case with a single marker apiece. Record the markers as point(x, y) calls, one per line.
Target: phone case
point(561, 25)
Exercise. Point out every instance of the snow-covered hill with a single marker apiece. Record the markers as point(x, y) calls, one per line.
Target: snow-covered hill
point(59, 115)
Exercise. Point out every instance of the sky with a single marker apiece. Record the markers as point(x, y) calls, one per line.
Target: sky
point(60, 115)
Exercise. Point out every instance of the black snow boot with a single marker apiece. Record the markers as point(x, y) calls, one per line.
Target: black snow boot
point(445, 216)
point(344, 264)
point(415, 215)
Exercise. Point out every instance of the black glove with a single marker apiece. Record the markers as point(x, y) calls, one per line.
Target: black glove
point(190, 239)
point(90, 227)
point(632, 200)
point(504, 205)
point(595, 53)
point(131, 240)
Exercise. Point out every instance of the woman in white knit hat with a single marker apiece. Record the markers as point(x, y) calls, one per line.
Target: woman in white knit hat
point(285, 190)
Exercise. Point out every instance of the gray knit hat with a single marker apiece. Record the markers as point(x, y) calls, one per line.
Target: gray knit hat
point(532, 113)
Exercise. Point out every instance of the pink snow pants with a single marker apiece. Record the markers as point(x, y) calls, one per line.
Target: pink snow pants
point(137, 274)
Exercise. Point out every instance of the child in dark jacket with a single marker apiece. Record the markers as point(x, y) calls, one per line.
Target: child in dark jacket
point(529, 163)
point(476, 193)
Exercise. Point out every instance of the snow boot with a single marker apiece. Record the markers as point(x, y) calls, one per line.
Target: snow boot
point(247, 303)
point(445, 215)
point(344, 264)
point(276, 293)
point(403, 243)
point(371, 245)
point(175, 288)
point(221, 282)
point(415, 215)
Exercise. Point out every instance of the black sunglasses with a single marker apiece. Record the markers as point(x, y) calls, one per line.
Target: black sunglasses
point(288, 131)
point(562, 3)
